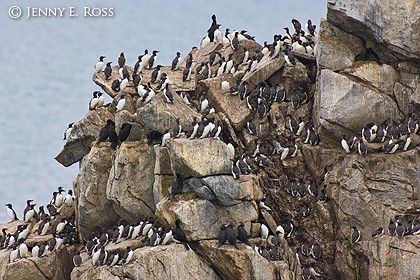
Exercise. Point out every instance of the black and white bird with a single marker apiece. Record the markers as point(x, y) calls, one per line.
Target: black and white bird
point(153, 60)
point(93, 103)
point(121, 60)
point(155, 76)
point(176, 61)
point(169, 98)
point(69, 198)
point(108, 70)
point(77, 260)
point(355, 236)
point(68, 131)
point(179, 234)
point(100, 64)
point(121, 103)
point(177, 130)
point(11, 212)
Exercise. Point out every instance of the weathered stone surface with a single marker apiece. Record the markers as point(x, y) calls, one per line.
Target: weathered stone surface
point(224, 190)
point(130, 183)
point(294, 78)
point(346, 106)
point(105, 85)
point(162, 187)
point(200, 219)
point(38, 268)
point(336, 49)
point(163, 161)
point(83, 134)
point(265, 69)
point(398, 35)
point(158, 115)
point(403, 95)
point(367, 192)
point(199, 157)
point(91, 189)
point(232, 106)
point(160, 263)
point(381, 76)
point(230, 262)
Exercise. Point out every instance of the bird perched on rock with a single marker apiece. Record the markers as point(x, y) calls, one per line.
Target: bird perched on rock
point(99, 65)
point(121, 60)
point(176, 61)
point(355, 236)
point(124, 132)
point(232, 235)
point(169, 98)
point(222, 237)
point(11, 212)
point(180, 235)
point(113, 137)
point(242, 236)
point(77, 260)
point(93, 103)
point(68, 131)
point(103, 133)
point(153, 60)
point(108, 70)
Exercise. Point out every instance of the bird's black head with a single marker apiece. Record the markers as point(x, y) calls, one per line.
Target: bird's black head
point(101, 57)
point(178, 53)
point(9, 205)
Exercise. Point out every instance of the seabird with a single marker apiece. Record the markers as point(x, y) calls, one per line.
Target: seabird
point(153, 60)
point(124, 132)
point(169, 98)
point(116, 85)
point(222, 236)
point(77, 260)
point(400, 230)
point(113, 137)
point(377, 232)
point(179, 234)
point(93, 103)
point(289, 57)
point(344, 144)
point(30, 213)
point(68, 131)
point(103, 133)
point(316, 251)
point(177, 130)
point(176, 61)
point(99, 64)
point(108, 70)
point(11, 213)
point(242, 236)
point(101, 100)
point(355, 236)
point(121, 60)
point(121, 103)
point(235, 41)
point(232, 235)
point(166, 137)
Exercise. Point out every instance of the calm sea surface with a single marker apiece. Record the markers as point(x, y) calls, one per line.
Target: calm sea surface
point(46, 67)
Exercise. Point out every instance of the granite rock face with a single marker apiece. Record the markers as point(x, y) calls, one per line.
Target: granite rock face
point(365, 69)
point(84, 132)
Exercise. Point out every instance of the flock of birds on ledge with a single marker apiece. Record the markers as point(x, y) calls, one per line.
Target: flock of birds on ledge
point(259, 100)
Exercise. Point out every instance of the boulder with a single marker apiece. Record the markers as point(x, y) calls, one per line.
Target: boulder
point(38, 268)
point(199, 157)
point(161, 263)
point(200, 219)
point(397, 36)
point(158, 115)
point(366, 193)
point(81, 137)
point(91, 189)
point(345, 106)
point(380, 76)
point(336, 48)
point(230, 262)
point(265, 69)
point(232, 106)
point(224, 190)
point(130, 183)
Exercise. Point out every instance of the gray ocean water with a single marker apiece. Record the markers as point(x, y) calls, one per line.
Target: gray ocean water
point(46, 67)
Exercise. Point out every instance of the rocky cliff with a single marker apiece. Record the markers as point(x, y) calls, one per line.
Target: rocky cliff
point(274, 161)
